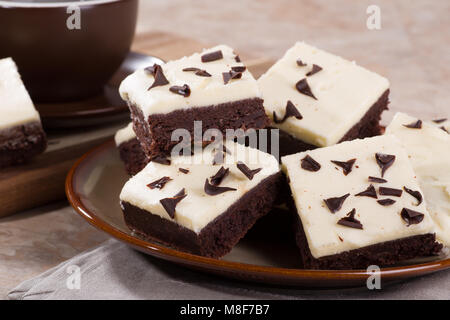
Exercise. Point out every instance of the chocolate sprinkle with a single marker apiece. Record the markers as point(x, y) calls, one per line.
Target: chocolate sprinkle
point(160, 79)
point(376, 180)
point(415, 194)
point(219, 176)
point(335, 204)
point(384, 161)
point(184, 90)
point(300, 63)
point(213, 190)
point(350, 221)
point(308, 163)
point(291, 111)
point(161, 160)
point(239, 68)
point(346, 166)
point(159, 184)
point(227, 76)
point(246, 170)
point(369, 192)
point(386, 202)
point(169, 204)
point(314, 70)
point(212, 56)
point(390, 192)
point(411, 216)
point(440, 120)
point(303, 87)
point(185, 171)
point(414, 125)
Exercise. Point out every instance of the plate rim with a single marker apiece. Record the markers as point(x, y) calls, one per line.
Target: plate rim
point(227, 267)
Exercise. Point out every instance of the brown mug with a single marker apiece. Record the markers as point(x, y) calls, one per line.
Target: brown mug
point(66, 50)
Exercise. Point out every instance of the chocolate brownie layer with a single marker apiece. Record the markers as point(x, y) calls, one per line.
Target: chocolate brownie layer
point(132, 155)
point(155, 133)
point(20, 143)
point(220, 235)
point(381, 254)
point(368, 126)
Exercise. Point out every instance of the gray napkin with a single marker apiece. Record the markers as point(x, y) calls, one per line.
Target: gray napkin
point(115, 271)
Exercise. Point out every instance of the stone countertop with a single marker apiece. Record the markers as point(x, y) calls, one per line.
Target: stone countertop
point(412, 49)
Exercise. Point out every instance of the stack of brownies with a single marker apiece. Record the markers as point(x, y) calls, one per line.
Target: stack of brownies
point(358, 197)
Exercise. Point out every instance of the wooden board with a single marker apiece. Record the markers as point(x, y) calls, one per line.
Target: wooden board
point(42, 180)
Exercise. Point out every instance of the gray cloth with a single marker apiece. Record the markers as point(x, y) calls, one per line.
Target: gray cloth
point(115, 271)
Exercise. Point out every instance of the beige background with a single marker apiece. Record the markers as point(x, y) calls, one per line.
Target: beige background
point(412, 49)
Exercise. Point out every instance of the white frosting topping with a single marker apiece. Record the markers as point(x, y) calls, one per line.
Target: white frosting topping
point(380, 223)
point(16, 107)
point(429, 151)
point(205, 91)
point(124, 134)
point(198, 209)
point(344, 92)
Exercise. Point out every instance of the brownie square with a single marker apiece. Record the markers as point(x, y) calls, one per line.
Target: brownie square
point(198, 205)
point(318, 99)
point(355, 206)
point(428, 148)
point(217, 90)
point(21, 133)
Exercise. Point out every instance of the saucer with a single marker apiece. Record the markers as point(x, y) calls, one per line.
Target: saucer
point(105, 108)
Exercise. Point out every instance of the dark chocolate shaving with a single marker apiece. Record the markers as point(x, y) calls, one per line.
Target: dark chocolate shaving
point(411, 216)
point(300, 63)
point(440, 120)
point(303, 87)
point(239, 68)
point(213, 190)
point(443, 128)
point(314, 70)
point(335, 204)
point(161, 160)
point(212, 56)
point(414, 125)
point(347, 166)
point(185, 171)
point(246, 170)
point(237, 59)
point(390, 192)
point(384, 161)
point(350, 221)
point(225, 149)
point(219, 176)
point(183, 90)
point(386, 202)
point(159, 184)
point(308, 163)
point(157, 72)
point(376, 180)
point(369, 192)
point(415, 194)
point(291, 111)
point(198, 72)
point(191, 69)
point(169, 204)
point(227, 76)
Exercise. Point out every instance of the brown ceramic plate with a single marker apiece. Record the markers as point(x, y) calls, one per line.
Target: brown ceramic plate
point(101, 109)
point(266, 255)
